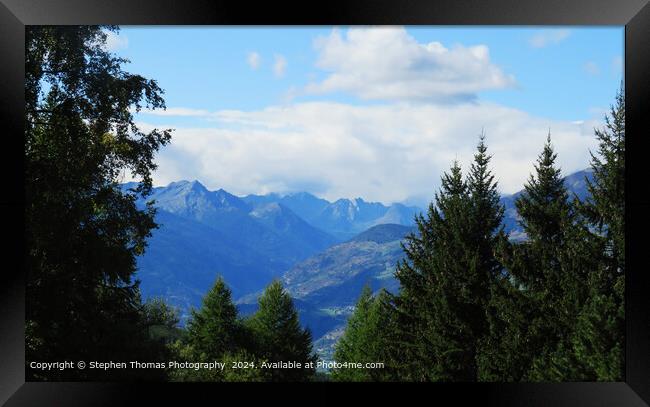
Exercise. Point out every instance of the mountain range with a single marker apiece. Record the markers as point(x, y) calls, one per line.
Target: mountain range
point(343, 218)
point(248, 240)
point(324, 252)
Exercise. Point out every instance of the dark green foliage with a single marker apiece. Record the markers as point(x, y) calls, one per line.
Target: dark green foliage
point(82, 233)
point(278, 335)
point(418, 343)
point(214, 329)
point(162, 320)
point(535, 304)
point(475, 306)
point(273, 334)
point(215, 333)
point(445, 282)
point(365, 339)
point(598, 339)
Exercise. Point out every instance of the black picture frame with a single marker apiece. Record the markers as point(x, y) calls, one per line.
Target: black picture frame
point(633, 14)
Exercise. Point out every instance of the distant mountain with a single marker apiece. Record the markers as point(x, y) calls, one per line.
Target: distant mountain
point(306, 205)
point(384, 233)
point(295, 233)
point(336, 276)
point(303, 204)
point(205, 233)
point(326, 286)
point(184, 257)
point(346, 218)
point(576, 182)
point(343, 218)
point(274, 231)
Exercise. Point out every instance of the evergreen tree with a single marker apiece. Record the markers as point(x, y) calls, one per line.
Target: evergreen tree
point(544, 288)
point(365, 339)
point(605, 207)
point(485, 268)
point(598, 341)
point(82, 232)
point(446, 279)
point(422, 310)
point(279, 336)
point(213, 330)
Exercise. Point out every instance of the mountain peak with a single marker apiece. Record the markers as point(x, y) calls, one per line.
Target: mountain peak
point(189, 185)
point(197, 186)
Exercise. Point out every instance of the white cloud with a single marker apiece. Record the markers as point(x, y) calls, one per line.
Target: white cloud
point(279, 65)
point(548, 37)
point(115, 42)
point(176, 112)
point(384, 153)
point(387, 63)
point(253, 60)
point(591, 68)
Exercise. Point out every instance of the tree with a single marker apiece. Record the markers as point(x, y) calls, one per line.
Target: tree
point(423, 345)
point(214, 329)
point(279, 336)
point(539, 299)
point(446, 279)
point(365, 339)
point(598, 340)
point(161, 318)
point(486, 236)
point(215, 332)
point(82, 232)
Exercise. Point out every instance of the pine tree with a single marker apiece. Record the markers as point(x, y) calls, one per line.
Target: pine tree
point(605, 208)
point(279, 336)
point(422, 310)
point(486, 236)
point(445, 282)
point(365, 339)
point(538, 301)
point(598, 341)
point(213, 329)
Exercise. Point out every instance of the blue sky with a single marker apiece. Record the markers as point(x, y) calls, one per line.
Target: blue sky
point(231, 90)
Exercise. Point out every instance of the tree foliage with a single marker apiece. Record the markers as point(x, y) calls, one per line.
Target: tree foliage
point(446, 278)
point(536, 305)
point(278, 335)
point(215, 332)
point(366, 339)
point(82, 232)
point(475, 306)
point(598, 339)
point(214, 329)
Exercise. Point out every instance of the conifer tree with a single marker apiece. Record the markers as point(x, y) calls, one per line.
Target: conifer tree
point(279, 336)
point(421, 306)
point(365, 339)
point(598, 341)
point(446, 279)
point(486, 236)
point(540, 297)
point(214, 328)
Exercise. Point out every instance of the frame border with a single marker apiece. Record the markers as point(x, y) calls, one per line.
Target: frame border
point(634, 14)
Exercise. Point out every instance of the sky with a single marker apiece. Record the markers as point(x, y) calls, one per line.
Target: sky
point(372, 112)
